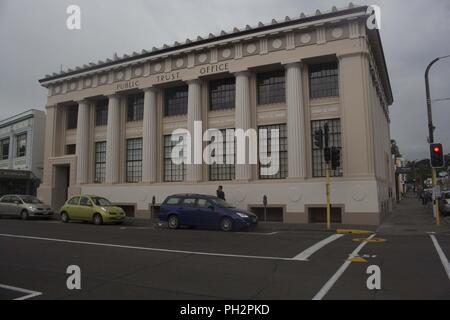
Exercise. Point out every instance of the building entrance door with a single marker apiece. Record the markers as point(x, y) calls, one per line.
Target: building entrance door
point(62, 182)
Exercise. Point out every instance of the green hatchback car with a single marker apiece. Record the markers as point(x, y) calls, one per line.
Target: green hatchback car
point(94, 209)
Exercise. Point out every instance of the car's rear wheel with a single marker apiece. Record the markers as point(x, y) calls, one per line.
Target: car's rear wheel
point(24, 215)
point(174, 222)
point(98, 220)
point(226, 224)
point(65, 217)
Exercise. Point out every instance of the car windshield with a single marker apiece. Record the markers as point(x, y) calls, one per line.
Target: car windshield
point(223, 204)
point(102, 202)
point(30, 200)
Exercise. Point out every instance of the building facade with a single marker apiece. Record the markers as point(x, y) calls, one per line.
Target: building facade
point(22, 152)
point(109, 124)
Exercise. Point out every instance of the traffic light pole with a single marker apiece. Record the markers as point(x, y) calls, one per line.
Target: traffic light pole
point(328, 197)
point(431, 133)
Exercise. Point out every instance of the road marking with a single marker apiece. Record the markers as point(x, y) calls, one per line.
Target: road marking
point(304, 256)
point(327, 287)
point(147, 248)
point(353, 231)
point(258, 233)
point(29, 293)
point(441, 255)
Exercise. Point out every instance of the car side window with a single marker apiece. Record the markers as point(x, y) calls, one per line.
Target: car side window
point(173, 201)
point(14, 200)
point(189, 202)
point(6, 199)
point(203, 203)
point(74, 201)
point(85, 202)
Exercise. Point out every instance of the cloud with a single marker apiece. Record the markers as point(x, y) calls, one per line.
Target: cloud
point(35, 42)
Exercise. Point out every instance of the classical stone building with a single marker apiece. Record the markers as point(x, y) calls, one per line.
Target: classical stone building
point(109, 123)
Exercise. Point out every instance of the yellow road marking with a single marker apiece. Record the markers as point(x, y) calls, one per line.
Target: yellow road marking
point(353, 231)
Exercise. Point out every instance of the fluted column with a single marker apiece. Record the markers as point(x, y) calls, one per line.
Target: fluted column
point(113, 141)
point(149, 156)
point(82, 146)
point(243, 119)
point(295, 121)
point(194, 171)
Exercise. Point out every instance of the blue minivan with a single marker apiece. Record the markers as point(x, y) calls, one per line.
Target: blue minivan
point(195, 210)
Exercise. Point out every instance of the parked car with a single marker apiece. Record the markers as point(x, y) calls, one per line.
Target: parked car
point(196, 210)
point(444, 203)
point(94, 209)
point(24, 207)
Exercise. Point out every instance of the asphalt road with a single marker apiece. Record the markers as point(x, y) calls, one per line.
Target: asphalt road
point(127, 262)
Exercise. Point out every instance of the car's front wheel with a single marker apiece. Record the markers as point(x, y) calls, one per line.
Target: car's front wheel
point(174, 222)
point(98, 220)
point(24, 215)
point(65, 217)
point(226, 224)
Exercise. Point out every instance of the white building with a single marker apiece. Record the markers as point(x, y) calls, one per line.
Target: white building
point(109, 123)
point(22, 152)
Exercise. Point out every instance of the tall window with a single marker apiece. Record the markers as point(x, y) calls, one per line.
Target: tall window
point(324, 80)
point(176, 101)
point(72, 117)
point(271, 87)
point(134, 160)
point(135, 108)
point(279, 146)
point(100, 162)
point(173, 172)
point(101, 113)
point(21, 145)
point(222, 94)
point(319, 165)
point(4, 149)
point(225, 171)
point(71, 149)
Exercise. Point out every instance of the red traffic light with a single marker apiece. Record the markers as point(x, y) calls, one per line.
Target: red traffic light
point(436, 149)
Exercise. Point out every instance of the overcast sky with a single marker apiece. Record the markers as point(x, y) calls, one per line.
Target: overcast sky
point(34, 41)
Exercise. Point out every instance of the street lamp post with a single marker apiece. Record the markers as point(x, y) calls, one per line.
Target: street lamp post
point(431, 130)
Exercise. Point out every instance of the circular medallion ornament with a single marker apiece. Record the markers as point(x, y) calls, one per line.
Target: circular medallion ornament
point(277, 43)
point(251, 48)
point(179, 63)
point(295, 195)
point(158, 67)
point(103, 79)
point(73, 86)
point(88, 82)
point(120, 75)
point(57, 89)
point(337, 32)
point(226, 53)
point(202, 58)
point(138, 72)
point(358, 193)
point(305, 38)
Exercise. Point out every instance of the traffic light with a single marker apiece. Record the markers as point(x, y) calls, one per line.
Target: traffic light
point(318, 138)
point(327, 154)
point(335, 158)
point(436, 155)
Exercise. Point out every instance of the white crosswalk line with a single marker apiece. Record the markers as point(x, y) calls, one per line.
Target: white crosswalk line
point(304, 256)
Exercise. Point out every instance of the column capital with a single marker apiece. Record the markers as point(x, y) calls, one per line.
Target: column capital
point(289, 65)
point(150, 89)
point(82, 101)
point(194, 81)
point(112, 96)
point(245, 73)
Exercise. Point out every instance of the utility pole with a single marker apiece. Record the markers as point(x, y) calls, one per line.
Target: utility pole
point(327, 156)
point(431, 132)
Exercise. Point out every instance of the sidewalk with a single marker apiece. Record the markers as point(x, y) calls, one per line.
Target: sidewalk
point(410, 216)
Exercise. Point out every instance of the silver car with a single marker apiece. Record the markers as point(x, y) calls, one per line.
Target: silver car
point(445, 203)
point(24, 207)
